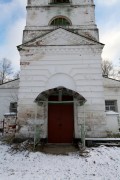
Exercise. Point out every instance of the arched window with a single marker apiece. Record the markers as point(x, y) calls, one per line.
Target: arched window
point(60, 1)
point(60, 21)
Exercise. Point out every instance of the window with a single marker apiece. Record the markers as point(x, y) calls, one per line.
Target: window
point(60, 21)
point(60, 1)
point(13, 107)
point(111, 105)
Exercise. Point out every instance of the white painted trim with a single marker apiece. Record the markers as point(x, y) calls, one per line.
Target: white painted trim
point(46, 120)
point(103, 139)
point(75, 119)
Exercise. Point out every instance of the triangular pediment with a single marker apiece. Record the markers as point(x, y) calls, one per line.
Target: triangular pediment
point(61, 37)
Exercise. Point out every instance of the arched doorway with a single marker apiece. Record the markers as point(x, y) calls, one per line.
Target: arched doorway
point(61, 117)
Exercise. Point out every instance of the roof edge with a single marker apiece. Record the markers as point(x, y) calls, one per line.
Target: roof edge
point(111, 79)
point(10, 81)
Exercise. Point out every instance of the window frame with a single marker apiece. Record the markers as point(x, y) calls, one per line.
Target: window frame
point(63, 18)
point(13, 107)
point(111, 105)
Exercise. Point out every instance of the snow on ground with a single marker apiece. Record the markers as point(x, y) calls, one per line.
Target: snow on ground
point(103, 163)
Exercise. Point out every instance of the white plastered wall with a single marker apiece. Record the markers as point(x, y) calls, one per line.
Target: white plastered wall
point(112, 91)
point(83, 65)
point(8, 94)
point(41, 16)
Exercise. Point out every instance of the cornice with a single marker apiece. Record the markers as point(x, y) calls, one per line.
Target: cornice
point(59, 6)
point(30, 52)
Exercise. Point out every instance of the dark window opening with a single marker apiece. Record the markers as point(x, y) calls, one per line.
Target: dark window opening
point(111, 105)
point(60, 97)
point(60, 1)
point(60, 22)
point(13, 107)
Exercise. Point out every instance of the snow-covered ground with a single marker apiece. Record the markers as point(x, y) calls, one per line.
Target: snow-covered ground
point(103, 163)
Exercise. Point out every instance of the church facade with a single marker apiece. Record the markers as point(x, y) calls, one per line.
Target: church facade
point(61, 92)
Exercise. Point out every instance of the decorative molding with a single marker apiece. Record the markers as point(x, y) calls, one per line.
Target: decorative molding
point(64, 50)
point(47, 3)
point(73, 27)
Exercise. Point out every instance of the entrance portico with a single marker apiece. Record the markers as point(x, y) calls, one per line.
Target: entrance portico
point(61, 115)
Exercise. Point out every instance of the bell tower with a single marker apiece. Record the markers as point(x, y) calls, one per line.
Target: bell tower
point(61, 49)
point(44, 16)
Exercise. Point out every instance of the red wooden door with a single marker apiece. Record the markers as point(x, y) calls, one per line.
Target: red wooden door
point(60, 123)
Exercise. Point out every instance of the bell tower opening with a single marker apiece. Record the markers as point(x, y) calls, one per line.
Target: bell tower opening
point(60, 1)
point(60, 21)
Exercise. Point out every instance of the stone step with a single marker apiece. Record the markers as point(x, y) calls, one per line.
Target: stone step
point(58, 149)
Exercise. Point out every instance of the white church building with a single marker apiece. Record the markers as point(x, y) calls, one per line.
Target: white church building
point(61, 93)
